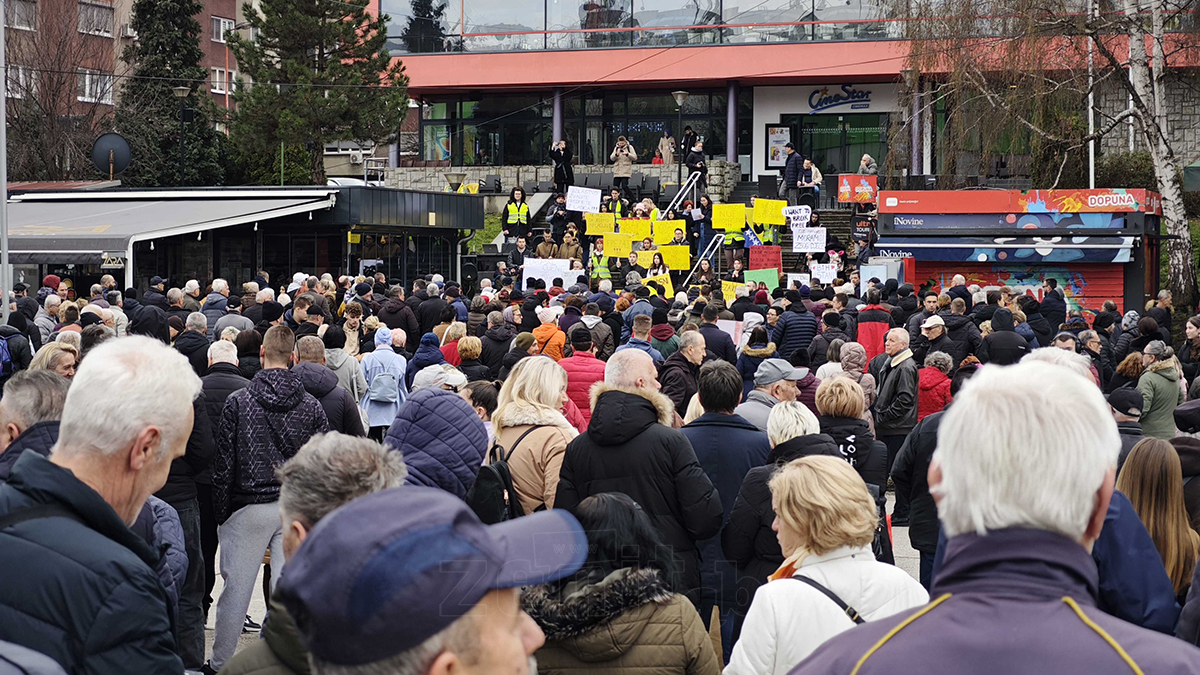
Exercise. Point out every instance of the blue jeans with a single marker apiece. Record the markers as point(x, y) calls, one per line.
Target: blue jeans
point(926, 573)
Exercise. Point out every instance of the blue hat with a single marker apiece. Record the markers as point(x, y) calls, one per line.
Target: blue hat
point(383, 336)
point(382, 574)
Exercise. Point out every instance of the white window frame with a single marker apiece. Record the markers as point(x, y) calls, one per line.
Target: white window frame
point(95, 86)
point(102, 30)
point(222, 82)
point(221, 26)
point(10, 12)
point(21, 80)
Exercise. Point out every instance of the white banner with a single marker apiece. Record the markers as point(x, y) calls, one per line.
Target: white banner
point(802, 278)
point(824, 273)
point(797, 216)
point(808, 240)
point(583, 199)
point(548, 270)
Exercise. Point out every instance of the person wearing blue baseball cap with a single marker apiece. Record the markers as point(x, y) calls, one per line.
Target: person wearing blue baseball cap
point(408, 580)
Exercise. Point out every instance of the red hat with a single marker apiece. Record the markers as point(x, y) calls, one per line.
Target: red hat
point(52, 281)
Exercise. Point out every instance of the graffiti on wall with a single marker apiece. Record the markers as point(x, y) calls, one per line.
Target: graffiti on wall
point(1085, 292)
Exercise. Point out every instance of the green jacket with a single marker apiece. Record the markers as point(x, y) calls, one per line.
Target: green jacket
point(1161, 393)
point(279, 652)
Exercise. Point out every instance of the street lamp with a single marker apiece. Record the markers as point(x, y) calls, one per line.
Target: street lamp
point(680, 98)
point(181, 92)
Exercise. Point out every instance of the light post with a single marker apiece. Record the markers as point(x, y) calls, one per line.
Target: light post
point(181, 93)
point(680, 97)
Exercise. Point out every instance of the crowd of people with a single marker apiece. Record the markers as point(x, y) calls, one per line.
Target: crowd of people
point(432, 478)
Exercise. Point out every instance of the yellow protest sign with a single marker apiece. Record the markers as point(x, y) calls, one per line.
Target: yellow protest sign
point(728, 288)
point(618, 245)
point(665, 280)
point(664, 231)
point(729, 216)
point(646, 258)
point(599, 223)
point(769, 211)
point(678, 258)
point(640, 229)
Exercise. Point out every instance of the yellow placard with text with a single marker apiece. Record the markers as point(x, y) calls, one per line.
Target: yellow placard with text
point(618, 245)
point(729, 216)
point(728, 289)
point(600, 223)
point(769, 211)
point(640, 229)
point(664, 231)
point(665, 280)
point(646, 258)
point(678, 258)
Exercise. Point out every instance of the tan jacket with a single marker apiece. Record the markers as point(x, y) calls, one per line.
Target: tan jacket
point(628, 622)
point(547, 250)
point(623, 163)
point(570, 252)
point(534, 463)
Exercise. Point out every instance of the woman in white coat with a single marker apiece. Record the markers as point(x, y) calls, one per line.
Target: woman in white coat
point(825, 521)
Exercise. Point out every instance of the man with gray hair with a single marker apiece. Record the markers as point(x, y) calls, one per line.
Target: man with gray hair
point(896, 373)
point(80, 585)
point(191, 295)
point(496, 341)
point(29, 412)
point(328, 471)
point(255, 311)
point(216, 305)
point(47, 316)
point(1022, 504)
point(175, 304)
point(774, 381)
point(193, 343)
point(341, 409)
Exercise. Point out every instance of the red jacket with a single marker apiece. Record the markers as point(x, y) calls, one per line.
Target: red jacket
point(873, 324)
point(583, 370)
point(933, 392)
point(450, 351)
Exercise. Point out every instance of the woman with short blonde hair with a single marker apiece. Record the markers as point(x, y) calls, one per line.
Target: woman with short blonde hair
point(840, 397)
point(59, 357)
point(790, 419)
point(825, 521)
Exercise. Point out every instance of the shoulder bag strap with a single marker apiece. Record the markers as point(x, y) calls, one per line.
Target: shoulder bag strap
point(43, 511)
point(520, 438)
point(847, 609)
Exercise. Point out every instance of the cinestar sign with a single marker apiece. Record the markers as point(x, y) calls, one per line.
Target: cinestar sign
point(1111, 199)
point(825, 98)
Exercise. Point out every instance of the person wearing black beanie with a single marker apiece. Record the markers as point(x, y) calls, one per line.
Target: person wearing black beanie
point(662, 334)
point(831, 329)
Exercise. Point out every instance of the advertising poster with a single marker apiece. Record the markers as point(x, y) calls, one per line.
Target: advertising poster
point(777, 137)
point(857, 189)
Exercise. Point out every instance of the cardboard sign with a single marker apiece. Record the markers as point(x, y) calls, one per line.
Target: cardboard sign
point(798, 279)
point(729, 217)
point(732, 328)
point(769, 277)
point(665, 281)
point(583, 199)
point(646, 258)
point(769, 211)
point(766, 257)
point(857, 189)
point(599, 223)
point(728, 289)
point(548, 270)
point(797, 216)
point(678, 258)
point(824, 272)
point(664, 231)
point(640, 229)
point(808, 240)
point(617, 245)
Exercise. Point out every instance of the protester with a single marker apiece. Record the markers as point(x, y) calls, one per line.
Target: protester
point(384, 370)
point(896, 406)
point(347, 368)
point(840, 406)
point(758, 348)
point(1159, 385)
point(796, 327)
point(442, 440)
point(602, 333)
point(29, 414)
point(639, 339)
point(583, 370)
point(550, 339)
point(933, 383)
point(58, 357)
point(874, 324)
point(1126, 404)
point(774, 381)
point(341, 408)
point(679, 372)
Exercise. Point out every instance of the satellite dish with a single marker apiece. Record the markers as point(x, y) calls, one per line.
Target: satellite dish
point(110, 154)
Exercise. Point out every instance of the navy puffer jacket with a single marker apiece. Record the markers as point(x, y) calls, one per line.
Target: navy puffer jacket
point(795, 330)
point(429, 353)
point(442, 440)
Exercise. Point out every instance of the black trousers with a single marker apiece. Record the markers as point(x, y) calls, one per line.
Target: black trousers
point(208, 541)
point(893, 443)
point(190, 623)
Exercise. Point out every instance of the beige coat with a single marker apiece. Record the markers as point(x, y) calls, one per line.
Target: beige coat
point(534, 463)
point(623, 163)
point(665, 146)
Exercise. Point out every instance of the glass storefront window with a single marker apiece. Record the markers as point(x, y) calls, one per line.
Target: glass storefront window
point(655, 104)
point(436, 111)
point(676, 20)
point(596, 17)
point(481, 145)
point(436, 142)
point(850, 11)
point(526, 143)
point(417, 29)
point(491, 107)
point(767, 12)
point(512, 25)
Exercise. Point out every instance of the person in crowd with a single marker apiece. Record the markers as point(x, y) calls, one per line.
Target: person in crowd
point(833, 360)
point(449, 316)
point(1033, 529)
point(385, 371)
point(933, 382)
point(328, 471)
point(1189, 351)
point(1126, 404)
point(429, 353)
point(695, 162)
point(546, 248)
point(1129, 371)
point(929, 308)
point(840, 407)
point(662, 334)
point(896, 373)
point(831, 330)
point(68, 517)
point(630, 446)
point(341, 408)
point(524, 345)
point(825, 520)
point(743, 303)
point(442, 440)
point(477, 315)
point(806, 386)
point(175, 305)
point(47, 316)
point(716, 340)
point(854, 366)
point(469, 349)
point(583, 370)
point(874, 322)
point(774, 381)
point(58, 357)
point(1054, 305)
point(1152, 478)
point(262, 425)
point(623, 158)
point(727, 447)
point(193, 343)
point(680, 371)
point(248, 344)
point(496, 342)
point(1003, 346)
point(1159, 385)
point(550, 339)
point(29, 414)
point(640, 338)
point(215, 305)
point(482, 397)
point(758, 348)
point(1091, 346)
point(233, 318)
point(1042, 330)
point(454, 332)
point(516, 223)
point(796, 327)
point(347, 369)
point(533, 432)
point(602, 333)
point(395, 313)
point(935, 338)
point(705, 273)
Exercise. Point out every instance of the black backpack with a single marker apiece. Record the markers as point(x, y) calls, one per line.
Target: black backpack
point(493, 497)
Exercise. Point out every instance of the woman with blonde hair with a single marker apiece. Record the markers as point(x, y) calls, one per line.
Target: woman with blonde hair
point(829, 581)
point(1152, 478)
point(59, 357)
point(841, 403)
point(454, 332)
point(531, 430)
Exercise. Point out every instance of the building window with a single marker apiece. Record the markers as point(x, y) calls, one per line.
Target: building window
point(219, 81)
point(220, 27)
point(96, 19)
point(20, 82)
point(20, 14)
point(95, 86)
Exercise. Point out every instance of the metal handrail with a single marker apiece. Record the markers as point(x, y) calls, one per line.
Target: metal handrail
point(689, 184)
point(714, 245)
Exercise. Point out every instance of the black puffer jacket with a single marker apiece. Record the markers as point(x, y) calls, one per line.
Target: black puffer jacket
point(38, 438)
point(18, 350)
point(262, 426)
point(910, 474)
point(630, 447)
point(795, 329)
point(155, 298)
point(509, 361)
point(1003, 346)
point(858, 446)
point(748, 540)
point(194, 346)
point(181, 481)
point(222, 380)
point(496, 342)
point(818, 350)
point(904, 309)
point(340, 407)
point(429, 314)
point(965, 334)
point(395, 314)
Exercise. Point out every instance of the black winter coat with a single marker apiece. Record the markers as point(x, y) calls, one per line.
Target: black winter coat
point(965, 334)
point(18, 350)
point(795, 329)
point(262, 426)
point(496, 343)
point(510, 361)
point(742, 305)
point(1054, 309)
point(718, 343)
point(395, 314)
point(155, 298)
point(194, 346)
point(181, 481)
point(904, 309)
point(429, 314)
point(678, 379)
point(1189, 358)
point(857, 445)
point(151, 321)
point(80, 589)
point(39, 438)
point(222, 380)
point(910, 476)
point(475, 371)
point(923, 348)
point(1041, 328)
point(341, 410)
point(1003, 346)
point(819, 349)
point(616, 323)
point(630, 447)
point(981, 313)
point(748, 540)
point(896, 398)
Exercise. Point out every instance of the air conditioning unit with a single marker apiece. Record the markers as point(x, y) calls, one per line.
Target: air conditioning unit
point(356, 157)
point(127, 31)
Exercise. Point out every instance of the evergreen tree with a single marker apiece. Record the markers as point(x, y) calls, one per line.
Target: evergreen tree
point(424, 30)
point(167, 54)
point(321, 74)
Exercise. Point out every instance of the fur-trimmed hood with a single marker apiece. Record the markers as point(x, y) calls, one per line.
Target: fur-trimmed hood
point(581, 614)
point(519, 414)
point(1166, 369)
point(661, 402)
point(760, 352)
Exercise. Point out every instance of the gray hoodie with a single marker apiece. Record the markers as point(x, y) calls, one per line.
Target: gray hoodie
point(348, 371)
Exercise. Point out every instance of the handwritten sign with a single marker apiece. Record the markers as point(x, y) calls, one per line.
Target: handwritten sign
point(639, 229)
point(798, 279)
point(599, 223)
point(769, 277)
point(797, 216)
point(665, 281)
point(729, 216)
point(824, 272)
point(618, 245)
point(664, 230)
point(583, 199)
point(646, 258)
point(857, 189)
point(766, 257)
point(769, 211)
point(728, 289)
point(808, 240)
point(548, 270)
